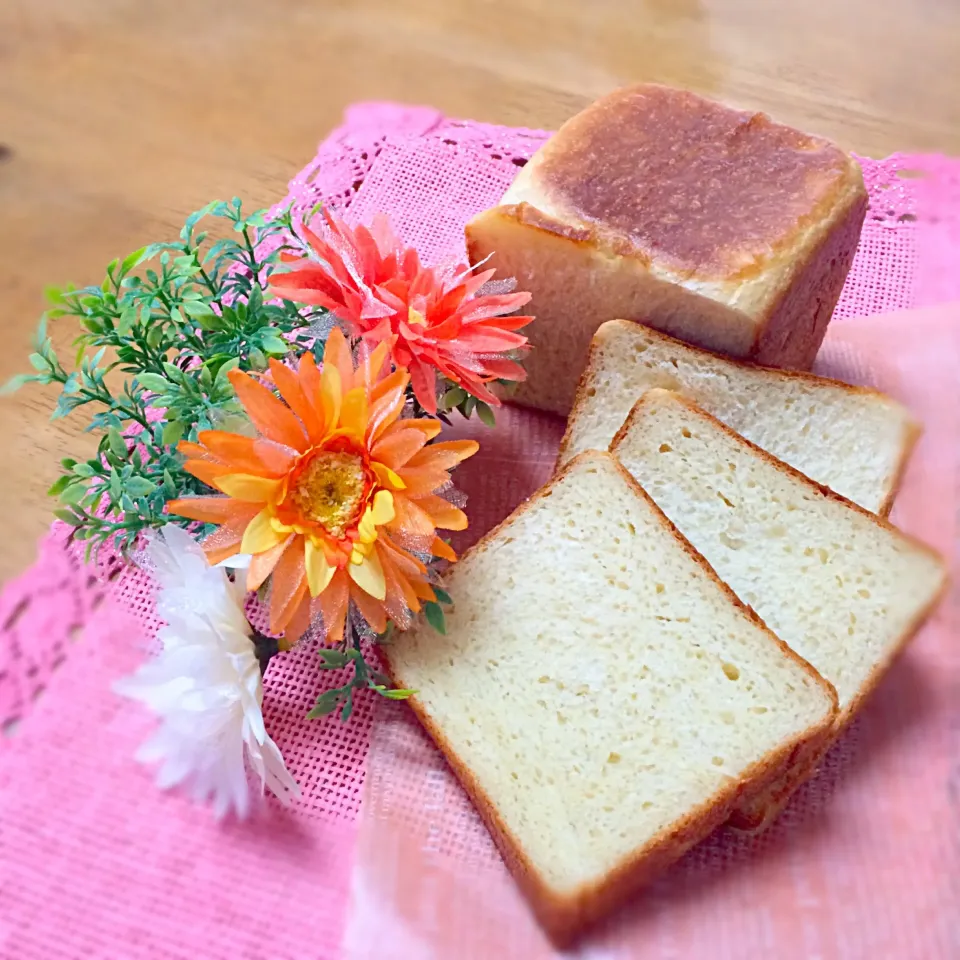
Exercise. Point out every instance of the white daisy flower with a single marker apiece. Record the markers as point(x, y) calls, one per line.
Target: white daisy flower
point(205, 685)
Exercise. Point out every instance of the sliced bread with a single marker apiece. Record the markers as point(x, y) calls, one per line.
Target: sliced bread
point(604, 699)
point(843, 588)
point(851, 439)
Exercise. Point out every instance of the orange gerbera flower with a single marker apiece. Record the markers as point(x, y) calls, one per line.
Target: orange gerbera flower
point(334, 498)
point(436, 321)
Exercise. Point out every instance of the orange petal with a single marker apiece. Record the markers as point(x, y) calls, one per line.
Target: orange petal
point(410, 521)
point(397, 580)
point(387, 405)
point(288, 586)
point(193, 450)
point(288, 383)
point(423, 590)
point(299, 623)
point(336, 352)
point(212, 509)
point(207, 471)
point(387, 477)
point(241, 454)
point(271, 416)
point(445, 455)
point(443, 550)
point(262, 564)
point(353, 413)
point(309, 374)
point(397, 447)
point(225, 541)
point(406, 562)
point(333, 606)
point(420, 483)
point(373, 361)
point(429, 428)
point(243, 486)
point(371, 610)
point(331, 396)
point(443, 513)
point(223, 549)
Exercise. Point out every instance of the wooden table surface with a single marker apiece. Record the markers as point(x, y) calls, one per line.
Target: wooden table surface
point(118, 117)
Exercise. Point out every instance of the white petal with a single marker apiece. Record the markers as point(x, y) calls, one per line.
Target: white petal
point(205, 685)
point(239, 561)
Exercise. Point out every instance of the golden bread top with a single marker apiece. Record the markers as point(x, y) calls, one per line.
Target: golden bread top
point(705, 190)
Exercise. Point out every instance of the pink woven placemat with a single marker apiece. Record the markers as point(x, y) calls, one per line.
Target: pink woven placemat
point(94, 861)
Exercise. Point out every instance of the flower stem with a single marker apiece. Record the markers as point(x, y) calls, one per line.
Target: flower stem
point(266, 648)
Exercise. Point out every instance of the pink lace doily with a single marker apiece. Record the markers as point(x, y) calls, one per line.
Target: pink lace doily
point(75, 811)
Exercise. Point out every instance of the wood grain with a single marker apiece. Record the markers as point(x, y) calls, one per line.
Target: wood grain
point(118, 117)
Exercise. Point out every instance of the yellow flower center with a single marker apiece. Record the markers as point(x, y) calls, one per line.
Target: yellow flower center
point(329, 488)
point(415, 317)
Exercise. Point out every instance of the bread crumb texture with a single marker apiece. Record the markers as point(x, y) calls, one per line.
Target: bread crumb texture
point(596, 680)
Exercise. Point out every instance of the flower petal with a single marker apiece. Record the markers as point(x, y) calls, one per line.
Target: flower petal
point(383, 510)
point(370, 609)
point(397, 447)
point(260, 535)
point(271, 416)
point(207, 471)
point(291, 389)
point(331, 395)
point(319, 572)
point(288, 587)
point(368, 575)
point(353, 413)
point(242, 453)
point(262, 564)
point(412, 525)
point(336, 353)
point(299, 622)
point(440, 548)
point(309, 374)
point(387, 477)
point(424, 380)
point(208, 509)
point(333, 606)
point(444, 455)
point(243, 486)
point(443, 513)
point(387, 403)
point(372, 364)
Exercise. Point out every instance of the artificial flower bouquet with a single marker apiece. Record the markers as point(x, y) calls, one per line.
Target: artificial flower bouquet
point(270, 403)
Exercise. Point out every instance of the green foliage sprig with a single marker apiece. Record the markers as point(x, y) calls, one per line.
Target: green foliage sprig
point(175, 318)
point(365, 677)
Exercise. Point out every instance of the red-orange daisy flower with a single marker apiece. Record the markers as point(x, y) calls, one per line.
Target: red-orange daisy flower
point(436, 319)
point(336, 496)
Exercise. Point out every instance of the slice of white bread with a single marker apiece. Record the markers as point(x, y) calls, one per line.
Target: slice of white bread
point(716, 225)
point(843, 588)
point(604, 699)
point(854, 440)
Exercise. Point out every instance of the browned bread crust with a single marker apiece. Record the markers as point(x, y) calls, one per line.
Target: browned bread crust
point(715, 225)
point(705, 190)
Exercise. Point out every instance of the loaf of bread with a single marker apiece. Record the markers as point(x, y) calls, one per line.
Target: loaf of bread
point(604, 699)
point(715, 225)
point(843, 588)
point(854, 440)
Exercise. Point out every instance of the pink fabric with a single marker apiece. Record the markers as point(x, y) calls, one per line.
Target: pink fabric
point(93, 860)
